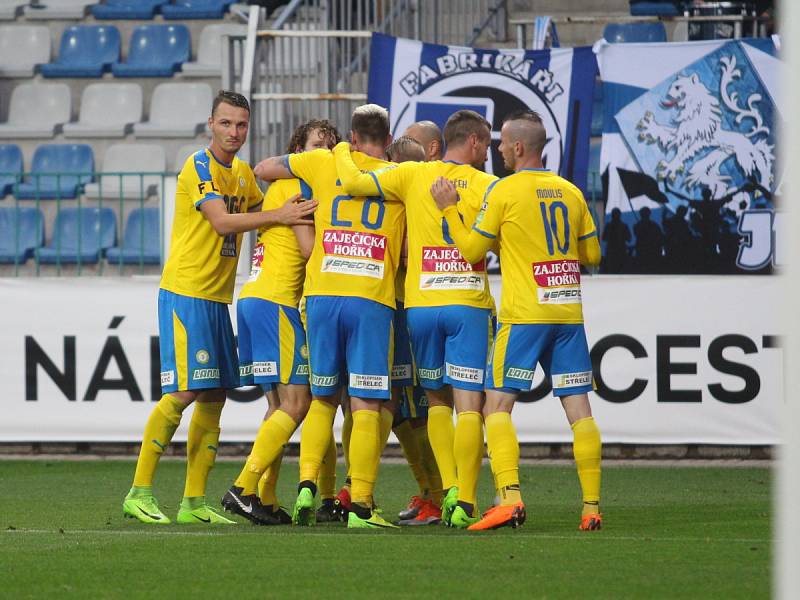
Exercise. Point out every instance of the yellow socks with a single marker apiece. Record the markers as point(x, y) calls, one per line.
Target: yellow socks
point(468, 450)
point(501, 438)
point(413, 453)
point(364, 450)
point(272, 436)
point(386, 428)
point(161, 425)
point(429, 464)
point(326, 482)
point(201, 447)
point(347, 429)
point(587, 449)
point(441, 434)
point(315, 438)
point(269, 481)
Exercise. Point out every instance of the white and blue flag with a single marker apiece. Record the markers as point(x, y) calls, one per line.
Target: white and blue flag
point(418, 81)
point(689, 135)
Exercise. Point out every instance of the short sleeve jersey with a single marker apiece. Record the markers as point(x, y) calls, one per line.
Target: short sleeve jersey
point(357, 240)
point(202, 263)
point(539, 218)
point(437, 273)
point(278, 268)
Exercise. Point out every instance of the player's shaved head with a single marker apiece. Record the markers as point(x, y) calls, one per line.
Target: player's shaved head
point(428, 134)
point(526, 127)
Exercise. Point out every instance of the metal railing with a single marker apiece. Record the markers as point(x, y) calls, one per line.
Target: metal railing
point(42, 234)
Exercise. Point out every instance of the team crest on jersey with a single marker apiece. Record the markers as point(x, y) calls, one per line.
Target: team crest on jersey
point(241, 182)
point(304, 351)
point(202, 356)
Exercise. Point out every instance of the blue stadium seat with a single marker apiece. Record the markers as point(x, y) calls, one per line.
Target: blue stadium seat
point(196, 9)
point(156, 51)
point(10, 167)
point(620, 33)
point(594, 183)
point(86, 51)
point(141, 241)
point(58, 171)
point(597, 109)
point(21, 232)
point(656, 8)
point(127, 9)
point(80, 235)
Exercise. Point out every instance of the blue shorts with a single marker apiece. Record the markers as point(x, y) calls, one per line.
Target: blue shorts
point(562, 351)
point(403, 365)
point(272, 343)
point(450, 345)
point(198, 350)
point(413, 404)
point(351, 338)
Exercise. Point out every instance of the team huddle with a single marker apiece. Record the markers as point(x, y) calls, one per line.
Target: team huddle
point(369, 292)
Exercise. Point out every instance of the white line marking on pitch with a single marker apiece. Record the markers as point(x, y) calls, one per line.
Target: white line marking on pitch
point(600, 536)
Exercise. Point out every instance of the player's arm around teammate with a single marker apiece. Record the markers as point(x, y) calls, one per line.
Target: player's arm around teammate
point(540, 317)
point(272, 340)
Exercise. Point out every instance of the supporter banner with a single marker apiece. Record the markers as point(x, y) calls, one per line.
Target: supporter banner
point(674, 363)
point(688, 157)
point(418, 81)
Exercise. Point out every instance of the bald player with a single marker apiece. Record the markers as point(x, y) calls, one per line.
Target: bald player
point(545, 233)
point(428, 134)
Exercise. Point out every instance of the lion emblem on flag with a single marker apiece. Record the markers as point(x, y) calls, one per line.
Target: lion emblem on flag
point(696, 145)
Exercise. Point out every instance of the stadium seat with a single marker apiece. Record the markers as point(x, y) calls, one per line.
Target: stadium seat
point(134, 159)
point(11, 9)
point(621, 33)
point(597, 109)
point(85, 51)
point(21, 232)
point(58, 9)
point(10, 167)
point(196, 9)
point(594, 184)
point(37, 110)
point(22, 47)
point(209, 51)
point(80, 235)
point(58, 171)
point(107, 110)
point(127, 9)
point(183, 153)
point(155, 51)
point(177, 110)
point(656, 8)
point(141, 243)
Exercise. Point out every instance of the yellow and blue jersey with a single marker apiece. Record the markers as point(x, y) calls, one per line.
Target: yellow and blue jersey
point(278, 268)
point(357, 239)
point(540, 221)
point(437, 274)
point(202, 264)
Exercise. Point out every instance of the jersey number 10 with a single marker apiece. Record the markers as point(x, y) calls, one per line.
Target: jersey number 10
point(557, 234)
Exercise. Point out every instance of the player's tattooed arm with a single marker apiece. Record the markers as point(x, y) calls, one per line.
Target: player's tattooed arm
point(293, 212)
point(275, 167)
point(353, 180)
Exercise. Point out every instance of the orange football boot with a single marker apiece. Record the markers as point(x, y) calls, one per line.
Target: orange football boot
point(512, 515)
point(591, 522)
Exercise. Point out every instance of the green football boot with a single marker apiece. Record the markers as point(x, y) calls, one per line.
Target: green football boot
point(375, 521)
point(195, 510)
point(303, 512)
point(461, 519)
point(143, 506)
point(449, 503)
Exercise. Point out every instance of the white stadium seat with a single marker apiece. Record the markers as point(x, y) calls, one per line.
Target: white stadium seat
point(177, 110)
point(209, 51)
point(107, 110)
point(22, 47)
point(183, 153)
point(58, 9)
point(129, 158)
point(36, 110)
point(10, 9)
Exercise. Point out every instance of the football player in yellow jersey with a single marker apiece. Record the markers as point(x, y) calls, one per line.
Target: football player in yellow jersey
point(545, 233)
point(350, 301)
point(447, 300)
point(215, 196)
point(272, 341)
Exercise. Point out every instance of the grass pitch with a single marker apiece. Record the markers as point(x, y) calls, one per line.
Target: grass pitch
point(683, 532)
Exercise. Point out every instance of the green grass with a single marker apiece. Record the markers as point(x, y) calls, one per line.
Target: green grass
point(683, 532)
